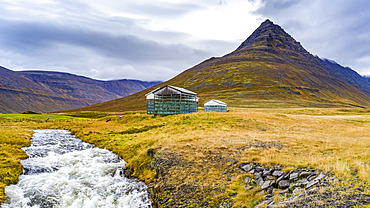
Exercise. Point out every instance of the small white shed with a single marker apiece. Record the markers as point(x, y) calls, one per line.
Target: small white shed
point(215, 106)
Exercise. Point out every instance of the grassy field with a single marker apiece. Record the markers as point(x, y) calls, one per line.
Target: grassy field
point(334, 140)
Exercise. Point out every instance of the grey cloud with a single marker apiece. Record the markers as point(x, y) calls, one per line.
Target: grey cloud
point(164, 10)
point(275, 6)
point(85, 52)
point(101, 40)
point(35, 37)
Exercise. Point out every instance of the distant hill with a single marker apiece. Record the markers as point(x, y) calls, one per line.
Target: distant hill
point(43, 91)
point(269, 69)
point(348, 75)
point(367, 78)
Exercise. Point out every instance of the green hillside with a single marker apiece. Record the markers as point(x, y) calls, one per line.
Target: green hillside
point(269, 69)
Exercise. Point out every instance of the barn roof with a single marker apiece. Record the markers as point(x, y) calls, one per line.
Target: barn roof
point(150, 96)
point(215, 102)
point(168, 89)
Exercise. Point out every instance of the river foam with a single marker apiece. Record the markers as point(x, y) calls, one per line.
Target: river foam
point(63, 172)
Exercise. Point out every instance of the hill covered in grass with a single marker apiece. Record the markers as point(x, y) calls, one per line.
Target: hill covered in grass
point(43, 91)
point(269, 69)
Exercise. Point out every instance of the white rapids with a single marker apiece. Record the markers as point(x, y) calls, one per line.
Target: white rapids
point(62, 171)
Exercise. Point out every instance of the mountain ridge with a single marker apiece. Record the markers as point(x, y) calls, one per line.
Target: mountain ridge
point(347, 74)
point(367, 77)
point(269, 69)
point(46, 91)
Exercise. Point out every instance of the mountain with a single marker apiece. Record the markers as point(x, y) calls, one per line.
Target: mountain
point(367, 78)
point(347, 74)
point(269, 69)
point(43, 91)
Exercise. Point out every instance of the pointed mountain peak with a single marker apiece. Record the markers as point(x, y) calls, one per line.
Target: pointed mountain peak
point(270, 35)
point(267, 22)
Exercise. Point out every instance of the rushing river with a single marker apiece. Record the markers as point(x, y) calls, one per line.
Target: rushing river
point(62, 171)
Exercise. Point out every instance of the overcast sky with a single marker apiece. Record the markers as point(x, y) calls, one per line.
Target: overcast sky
point(158, 39)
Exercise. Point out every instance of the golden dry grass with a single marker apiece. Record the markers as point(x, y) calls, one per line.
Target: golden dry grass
point(12, 138)
point(334, 140)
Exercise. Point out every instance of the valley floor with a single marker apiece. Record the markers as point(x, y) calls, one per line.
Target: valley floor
point(195, 160)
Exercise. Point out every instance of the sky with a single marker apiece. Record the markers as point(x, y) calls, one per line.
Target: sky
point(157, 39)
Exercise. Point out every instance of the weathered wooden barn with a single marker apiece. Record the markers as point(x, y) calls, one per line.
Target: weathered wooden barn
point(215, 106)
point(171, 100)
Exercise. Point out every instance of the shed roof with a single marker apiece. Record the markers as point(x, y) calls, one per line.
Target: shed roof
point(215, 102)
point(150, 96)
point(168, 89)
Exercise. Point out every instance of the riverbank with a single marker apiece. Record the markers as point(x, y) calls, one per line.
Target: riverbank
point(194, 159)
point(62, 171)
point(13, 137)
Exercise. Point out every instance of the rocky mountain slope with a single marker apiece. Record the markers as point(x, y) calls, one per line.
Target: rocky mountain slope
point(42, 91)
point(367, 78)
point(269, 69)
point(348, 75)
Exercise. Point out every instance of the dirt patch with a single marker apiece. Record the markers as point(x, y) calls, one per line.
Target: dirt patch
point(200, 182)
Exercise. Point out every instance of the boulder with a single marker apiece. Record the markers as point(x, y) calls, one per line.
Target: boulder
point(266, 172)
point(293, 176)
point(258, 174)
point(310, 178)
point(315, 172)
point(247, 187)
point(277, 173)
point(311, 183)
point(271, 179)
point(247, 167)
point(259, 181)
point(285, 191)
point(267, 184)
point(280, 178)
point(248, 180)
point(321, 176)
point(283, 184)
point(304, 181)
point(305, 174)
